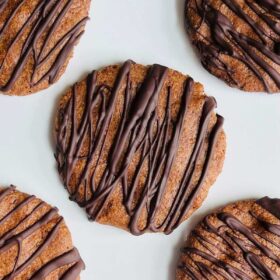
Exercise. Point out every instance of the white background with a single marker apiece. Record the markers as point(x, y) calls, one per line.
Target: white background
point(147, 31)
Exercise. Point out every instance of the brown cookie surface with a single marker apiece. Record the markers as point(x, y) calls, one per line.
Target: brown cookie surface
point(239, 241)
point(35, 242)
point(37, 40)
point(138, 146)
point(238, 41)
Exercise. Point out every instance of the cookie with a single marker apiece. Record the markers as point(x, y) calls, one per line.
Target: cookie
point(239, 241)
point(138, 147)
point(37, 40)
point(238, 41)
point(35, 242)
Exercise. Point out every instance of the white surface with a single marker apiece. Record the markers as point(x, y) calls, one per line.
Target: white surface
point(147, 31)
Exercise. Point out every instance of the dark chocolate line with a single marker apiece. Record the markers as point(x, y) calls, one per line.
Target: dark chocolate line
point(3, 4)
point(66, 259)
point(270, 205)
point(11, 238)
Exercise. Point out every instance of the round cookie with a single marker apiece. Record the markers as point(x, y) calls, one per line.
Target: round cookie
point(37, 40)
point(239, 241)
point(35, 242)
point(138, 147)
point(238, 41)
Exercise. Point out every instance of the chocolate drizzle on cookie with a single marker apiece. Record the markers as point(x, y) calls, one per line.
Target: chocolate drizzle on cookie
point(18, 233)
point(229, 239)
point(3, 4)
point(140, 131)
point(38, 30)
point(258, 51)
point(271, 205)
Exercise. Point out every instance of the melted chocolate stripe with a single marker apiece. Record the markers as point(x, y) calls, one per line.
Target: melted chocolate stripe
point(236, 225)
point(18, 269)
point(67, 258)
point(12, 15)
point(33, 15)
point(271, 205)
point(246, 242)
point(192, 274)
point(139, 130)
point(270, 22)
point(231, 270)
point(225, 39)
point(187, 203)
point(18, 207)
point(11, 232)
point(74, 271)
point(45, 18)
point(270, 5)
point(11, 238)
point(262, 270)
point(254, 261)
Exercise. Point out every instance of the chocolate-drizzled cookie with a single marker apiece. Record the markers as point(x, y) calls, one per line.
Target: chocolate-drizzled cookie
point(238, 40)
point(239, 241)
point(35, 243)
point(138, 147)
point(36, 41)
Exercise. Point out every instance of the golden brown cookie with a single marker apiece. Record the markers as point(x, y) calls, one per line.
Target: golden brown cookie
point(238, 41)
point(138, 147)
point(37, 38)
point(35, 243)
point(239, 241)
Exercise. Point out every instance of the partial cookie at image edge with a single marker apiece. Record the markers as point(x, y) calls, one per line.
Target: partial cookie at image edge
point(35, 242)
point(239, 240)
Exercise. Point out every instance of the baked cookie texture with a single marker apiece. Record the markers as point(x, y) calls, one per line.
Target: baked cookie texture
point(35, 242)
point(239, 241)
point(238, 41)
point(37, 40)
point(138, 147)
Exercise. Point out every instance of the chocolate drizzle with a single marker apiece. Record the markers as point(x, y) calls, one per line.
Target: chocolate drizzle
point(226, 241)
point(38, 30)
point(271, 205)
point(13, 236)
point(141, 131)
point(3, 4)
point(257, 51)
